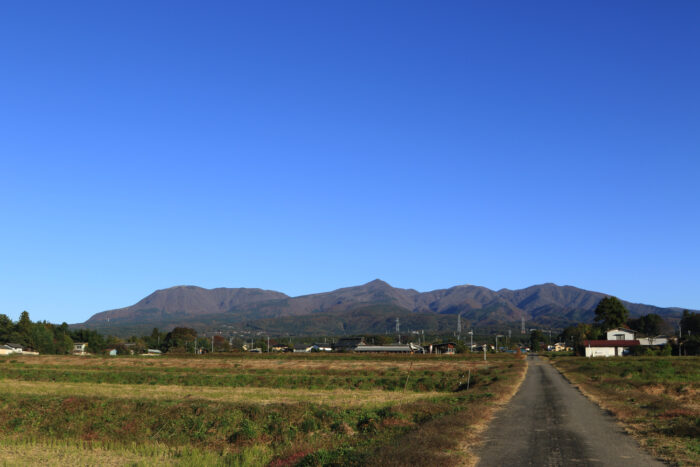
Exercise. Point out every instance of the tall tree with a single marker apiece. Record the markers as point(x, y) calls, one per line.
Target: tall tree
point(536, 340)
point(690, 323)
point(6, 326)
point(649, 325)
point(610, 313)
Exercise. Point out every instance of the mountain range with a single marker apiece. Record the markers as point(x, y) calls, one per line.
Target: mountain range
point(368, 308)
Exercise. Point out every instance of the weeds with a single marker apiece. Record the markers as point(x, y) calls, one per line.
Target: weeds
point(342, 410)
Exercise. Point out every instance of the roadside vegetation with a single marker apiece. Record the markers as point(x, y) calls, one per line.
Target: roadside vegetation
point(249, 409)
point(656, 398)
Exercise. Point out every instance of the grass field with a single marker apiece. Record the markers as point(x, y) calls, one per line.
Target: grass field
point(656, 398)
point(261, 410)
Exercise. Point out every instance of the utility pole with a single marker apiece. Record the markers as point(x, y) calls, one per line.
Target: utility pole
point(459, 326)
point(268, 344)
point(471, 340)
point(397, 329)
point(509, 336)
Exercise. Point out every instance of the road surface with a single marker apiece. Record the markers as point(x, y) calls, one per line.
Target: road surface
point(550, 423)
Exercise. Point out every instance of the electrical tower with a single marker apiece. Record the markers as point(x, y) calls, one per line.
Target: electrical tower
point(398, 329)
point(459, 326)
point(522, 324)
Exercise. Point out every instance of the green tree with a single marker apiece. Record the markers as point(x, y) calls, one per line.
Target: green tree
point(41, 338)
point(180, 338)
point(6, 328)
point(649, 325)
point(610, 313)
point(690, 323)
point(64, 344)
point(24, 329)
point(537, 340)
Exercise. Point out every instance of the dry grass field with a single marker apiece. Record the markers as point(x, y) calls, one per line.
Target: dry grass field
point(656, 398)
point(276, 410)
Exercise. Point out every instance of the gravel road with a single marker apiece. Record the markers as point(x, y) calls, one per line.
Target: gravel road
point(550, 423)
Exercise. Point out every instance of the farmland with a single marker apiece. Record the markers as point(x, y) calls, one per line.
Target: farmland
point(656, 398)
point(276, 410)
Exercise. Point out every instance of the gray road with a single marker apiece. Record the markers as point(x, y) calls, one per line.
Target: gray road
point(550, 423)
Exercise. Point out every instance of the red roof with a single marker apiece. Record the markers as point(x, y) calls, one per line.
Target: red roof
point(615, 343)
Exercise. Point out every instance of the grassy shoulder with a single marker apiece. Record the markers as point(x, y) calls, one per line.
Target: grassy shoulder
point(656, 398)
point(292, 415)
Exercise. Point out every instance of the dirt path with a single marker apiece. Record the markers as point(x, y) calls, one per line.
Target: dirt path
point(550, 423)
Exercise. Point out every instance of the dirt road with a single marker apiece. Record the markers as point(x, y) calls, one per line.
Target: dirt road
point(550, 423)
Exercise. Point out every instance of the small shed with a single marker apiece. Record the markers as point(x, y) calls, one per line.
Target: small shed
point(447, 348)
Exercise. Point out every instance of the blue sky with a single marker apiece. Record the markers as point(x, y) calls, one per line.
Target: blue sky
point(306, 146)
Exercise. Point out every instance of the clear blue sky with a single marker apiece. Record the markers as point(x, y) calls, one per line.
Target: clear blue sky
point(306, 146)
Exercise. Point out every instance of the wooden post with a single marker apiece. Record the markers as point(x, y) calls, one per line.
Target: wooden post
point(409, 374)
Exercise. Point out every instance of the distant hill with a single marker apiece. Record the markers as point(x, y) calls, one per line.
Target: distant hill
point(368, 308)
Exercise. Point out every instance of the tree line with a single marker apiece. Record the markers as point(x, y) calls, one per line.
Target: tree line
point(58, 339)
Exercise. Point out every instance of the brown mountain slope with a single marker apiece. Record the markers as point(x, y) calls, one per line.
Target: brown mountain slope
point(546, 304)
point(188, 301)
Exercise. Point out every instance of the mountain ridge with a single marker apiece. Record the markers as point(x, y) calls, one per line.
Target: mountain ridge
point(253, 308)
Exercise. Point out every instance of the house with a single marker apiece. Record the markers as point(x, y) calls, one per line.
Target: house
point(9, 349)
point(80, 348)
point(393, 348)
point(348, 344)
point(558, 347)
point(6, 350)
point(608, 348)
point(323, 347)
point(617, 344)
point(111, 352)
point(620, 334)
point(153, 352)
point(448, 348)
point(302, 348)
point(279, 348)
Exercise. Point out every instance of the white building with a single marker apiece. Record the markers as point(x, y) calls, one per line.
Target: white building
point(618, 342)
point(80, 348)
point(620, 334)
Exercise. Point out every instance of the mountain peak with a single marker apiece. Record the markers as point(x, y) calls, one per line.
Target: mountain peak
point(378, 283)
